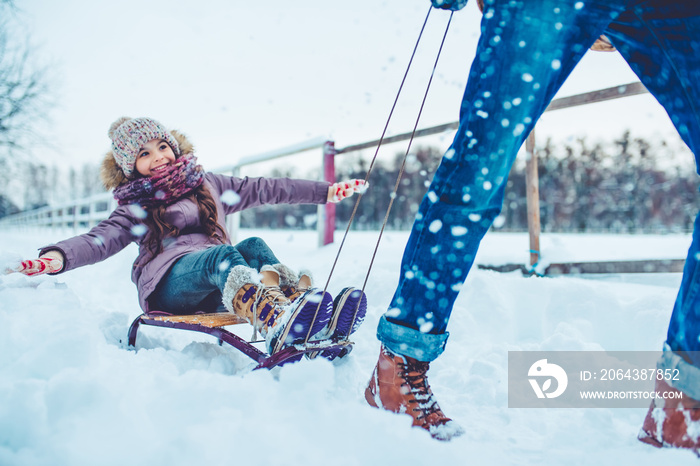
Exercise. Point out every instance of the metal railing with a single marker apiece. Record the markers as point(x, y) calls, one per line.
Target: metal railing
point(76, 214)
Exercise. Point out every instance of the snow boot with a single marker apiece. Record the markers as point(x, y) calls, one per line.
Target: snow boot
point(400, 384)
point(282, 323)
point(349, 309)
point(673, 419)
point(292, 284)
point(288, 279)
point(270, 279)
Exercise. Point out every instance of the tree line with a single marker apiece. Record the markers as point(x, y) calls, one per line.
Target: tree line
point(628, 185)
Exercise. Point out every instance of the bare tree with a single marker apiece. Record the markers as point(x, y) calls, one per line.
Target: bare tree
point(22, 92)
point(23, 98)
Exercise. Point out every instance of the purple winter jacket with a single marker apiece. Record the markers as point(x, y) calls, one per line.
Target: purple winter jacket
point(116, 232)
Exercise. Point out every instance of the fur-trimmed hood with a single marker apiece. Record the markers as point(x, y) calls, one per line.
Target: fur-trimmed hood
point(113, 176)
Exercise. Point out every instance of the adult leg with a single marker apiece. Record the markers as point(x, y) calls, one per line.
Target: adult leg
point(661, 42)
point(525, 53)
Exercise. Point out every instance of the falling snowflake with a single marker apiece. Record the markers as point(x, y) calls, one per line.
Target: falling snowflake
point(435, 226)
point(139, 230)
point(459, 230)
point(230, 197)
point(224, 265)
point(137, 211)
point(426, 327)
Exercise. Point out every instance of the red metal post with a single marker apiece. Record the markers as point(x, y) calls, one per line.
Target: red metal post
point(328, 175)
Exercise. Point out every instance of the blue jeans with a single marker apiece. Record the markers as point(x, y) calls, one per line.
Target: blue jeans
point(196, 281)
point(526, 51)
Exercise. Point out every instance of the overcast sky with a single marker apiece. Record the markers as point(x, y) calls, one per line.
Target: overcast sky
point(244, 77)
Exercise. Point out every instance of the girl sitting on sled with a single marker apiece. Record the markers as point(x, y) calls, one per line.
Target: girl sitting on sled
point(175, 211)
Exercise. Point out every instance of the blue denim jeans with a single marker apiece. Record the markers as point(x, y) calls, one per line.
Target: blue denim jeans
point(526, 51)
point(196, 281)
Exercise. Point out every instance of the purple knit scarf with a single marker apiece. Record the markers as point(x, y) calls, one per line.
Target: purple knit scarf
point(176, 181)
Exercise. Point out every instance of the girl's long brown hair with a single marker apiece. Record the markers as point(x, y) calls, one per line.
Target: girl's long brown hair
point(159, 230)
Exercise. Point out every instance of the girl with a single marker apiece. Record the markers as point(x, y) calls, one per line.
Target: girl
point(175, 211)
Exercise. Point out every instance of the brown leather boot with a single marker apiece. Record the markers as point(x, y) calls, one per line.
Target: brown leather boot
point(672, 421)
point(400, 384)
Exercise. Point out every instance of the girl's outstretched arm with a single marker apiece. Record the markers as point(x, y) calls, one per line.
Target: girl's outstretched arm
point(50, 262)
point(104, 240)
point(344, 189)
point(252, 192)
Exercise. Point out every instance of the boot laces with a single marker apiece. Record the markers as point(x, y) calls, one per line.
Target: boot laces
point(299, 289)
point(274, 295)
point(414, 373)
point(294, 292)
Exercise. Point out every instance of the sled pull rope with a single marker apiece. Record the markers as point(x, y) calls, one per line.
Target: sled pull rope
point(405, 157)
point(374, 158)
point(379, 145)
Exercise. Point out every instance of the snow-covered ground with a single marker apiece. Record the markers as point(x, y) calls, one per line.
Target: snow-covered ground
point(72, 394)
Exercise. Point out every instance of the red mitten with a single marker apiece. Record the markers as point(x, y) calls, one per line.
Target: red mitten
point(39, 266)
point(342, 189)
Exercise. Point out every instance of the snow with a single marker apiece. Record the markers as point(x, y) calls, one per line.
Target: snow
point(72, 394)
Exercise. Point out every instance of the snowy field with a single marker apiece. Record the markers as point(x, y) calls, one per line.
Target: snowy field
point(72, 394)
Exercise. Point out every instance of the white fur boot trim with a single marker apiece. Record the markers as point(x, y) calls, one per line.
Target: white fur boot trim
point(287, 275)
point(270, 268)
point(308, 273)
point(238, 276)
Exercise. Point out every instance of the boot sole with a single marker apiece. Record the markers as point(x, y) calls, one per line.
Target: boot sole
point(307, 314)
point(344, 320)
point(349, 309)
point(649, 439)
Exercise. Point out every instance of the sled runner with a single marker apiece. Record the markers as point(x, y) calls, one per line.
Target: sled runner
point(212, 324)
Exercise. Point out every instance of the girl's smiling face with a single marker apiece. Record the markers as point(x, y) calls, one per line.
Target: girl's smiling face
point(153, 157)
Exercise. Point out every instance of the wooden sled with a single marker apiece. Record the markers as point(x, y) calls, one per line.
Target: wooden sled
point(212, 324)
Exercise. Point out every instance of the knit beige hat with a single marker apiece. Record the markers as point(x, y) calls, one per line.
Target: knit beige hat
point(129, 135)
